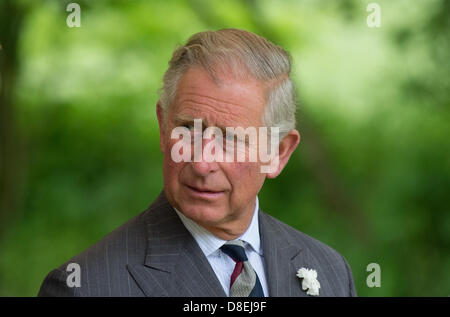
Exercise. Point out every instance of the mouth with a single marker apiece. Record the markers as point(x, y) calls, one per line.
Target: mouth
point(205, 193)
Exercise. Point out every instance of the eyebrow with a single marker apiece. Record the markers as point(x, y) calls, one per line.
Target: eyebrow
point(181, 119)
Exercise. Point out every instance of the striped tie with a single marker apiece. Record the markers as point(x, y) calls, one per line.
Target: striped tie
point(244, 280)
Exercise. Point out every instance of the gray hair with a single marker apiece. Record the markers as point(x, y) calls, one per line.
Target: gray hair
point(241, 54)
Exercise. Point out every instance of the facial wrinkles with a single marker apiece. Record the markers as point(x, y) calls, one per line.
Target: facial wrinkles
point(215, 112)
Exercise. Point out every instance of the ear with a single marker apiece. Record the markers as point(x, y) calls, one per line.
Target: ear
point(285, 149)
point(162, 127)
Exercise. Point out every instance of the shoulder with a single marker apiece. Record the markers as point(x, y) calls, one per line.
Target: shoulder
point(102, 266)
point(298, 238)
point(317, 254)
point(128, 240)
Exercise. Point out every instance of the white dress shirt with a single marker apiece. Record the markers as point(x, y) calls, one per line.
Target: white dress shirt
point(221, 263)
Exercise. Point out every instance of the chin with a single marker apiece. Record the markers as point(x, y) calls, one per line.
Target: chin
point(208, 215)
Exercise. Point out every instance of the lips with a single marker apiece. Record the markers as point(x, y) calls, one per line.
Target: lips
point(204, 189)
point(204, 192)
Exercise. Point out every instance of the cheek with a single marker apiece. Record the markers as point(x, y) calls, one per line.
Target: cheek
point(245, 177)
point(172, 169)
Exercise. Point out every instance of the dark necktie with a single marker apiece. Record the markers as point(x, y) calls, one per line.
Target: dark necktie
point(244, 280)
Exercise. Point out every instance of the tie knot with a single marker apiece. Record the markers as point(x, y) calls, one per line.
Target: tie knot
point(235, 250)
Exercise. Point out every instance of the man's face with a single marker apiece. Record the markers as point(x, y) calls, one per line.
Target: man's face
point(220, 196)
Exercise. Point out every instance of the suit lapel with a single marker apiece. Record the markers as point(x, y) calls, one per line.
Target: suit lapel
point(282, 259)
point(174, 263)
point(194, 275)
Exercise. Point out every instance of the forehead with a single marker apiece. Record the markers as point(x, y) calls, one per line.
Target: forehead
point(229, 102)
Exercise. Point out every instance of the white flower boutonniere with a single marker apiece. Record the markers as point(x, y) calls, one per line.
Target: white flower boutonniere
point(310, 281)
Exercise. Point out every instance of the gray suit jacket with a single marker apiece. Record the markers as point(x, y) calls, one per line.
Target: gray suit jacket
point(153, 254)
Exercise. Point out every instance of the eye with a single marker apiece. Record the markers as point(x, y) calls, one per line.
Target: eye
point(189, 126)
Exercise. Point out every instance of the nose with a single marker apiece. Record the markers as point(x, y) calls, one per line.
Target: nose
point(202, 165)
point(204, 168)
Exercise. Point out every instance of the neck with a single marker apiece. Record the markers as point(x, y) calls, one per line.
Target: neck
point(234, 228)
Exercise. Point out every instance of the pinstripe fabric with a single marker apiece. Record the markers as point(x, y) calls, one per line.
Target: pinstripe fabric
point(153, 254)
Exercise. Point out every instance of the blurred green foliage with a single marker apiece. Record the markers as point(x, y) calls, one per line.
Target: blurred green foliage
point(371, 177)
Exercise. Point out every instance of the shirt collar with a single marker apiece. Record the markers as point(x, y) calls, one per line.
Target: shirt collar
point(209, 243)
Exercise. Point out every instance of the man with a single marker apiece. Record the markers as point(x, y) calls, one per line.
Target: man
point(205, 234)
